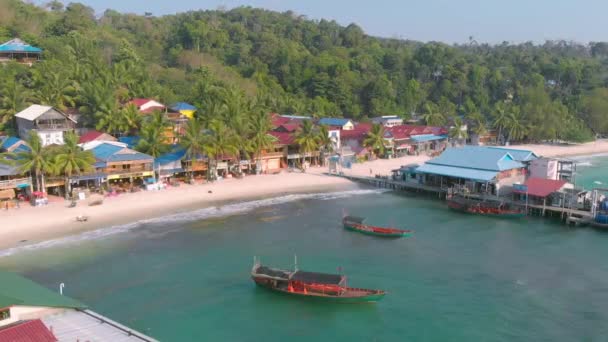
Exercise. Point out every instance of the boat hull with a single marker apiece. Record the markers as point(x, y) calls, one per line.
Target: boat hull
point(463, 208)
point(356, 296)
point(357, 228)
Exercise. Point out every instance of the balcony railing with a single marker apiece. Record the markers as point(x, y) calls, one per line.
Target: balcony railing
point(273, 155)
point(57, 126)
point(303, 155)
point(13, 183)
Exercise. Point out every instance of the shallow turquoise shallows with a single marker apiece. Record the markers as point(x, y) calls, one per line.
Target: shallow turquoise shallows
point(458, 278)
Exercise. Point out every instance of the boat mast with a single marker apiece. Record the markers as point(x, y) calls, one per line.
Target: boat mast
point(295, 263)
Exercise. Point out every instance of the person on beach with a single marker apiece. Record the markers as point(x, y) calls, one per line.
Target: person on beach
point(370, 172)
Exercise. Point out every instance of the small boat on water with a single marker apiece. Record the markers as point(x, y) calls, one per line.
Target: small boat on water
point(330, 287)
point(356, 224)
point(485, 208)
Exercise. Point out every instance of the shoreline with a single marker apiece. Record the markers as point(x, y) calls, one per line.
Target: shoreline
point(20, 230)
point(33, 225)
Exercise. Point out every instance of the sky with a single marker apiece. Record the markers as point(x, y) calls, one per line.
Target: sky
point(450, 21)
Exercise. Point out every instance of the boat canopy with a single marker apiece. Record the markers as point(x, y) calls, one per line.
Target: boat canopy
point(355, 219)
point(319, 278)
point(272, 272)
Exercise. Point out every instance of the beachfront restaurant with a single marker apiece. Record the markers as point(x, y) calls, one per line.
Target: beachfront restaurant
point(121, 167)
point(473, 169)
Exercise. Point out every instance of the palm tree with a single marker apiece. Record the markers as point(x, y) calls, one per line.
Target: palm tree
point(131, 118)
point(71, 159)
point(326, 144)
point(479, 123)
point(13, 98)
point(152, 141)
point(515, 126)
point(220, 141)
point(375, 140)
point(306, 137)
point(458, 132)
point(193, 141)
point(152, 135)
point(57, 89)
point(500, 119)
point(38, 160)
point(432, 116)
point(260, 140)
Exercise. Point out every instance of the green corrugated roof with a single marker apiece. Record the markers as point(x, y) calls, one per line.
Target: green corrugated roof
point(17, 290)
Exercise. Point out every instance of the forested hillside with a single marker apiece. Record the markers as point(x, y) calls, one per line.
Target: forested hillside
point(251, 58)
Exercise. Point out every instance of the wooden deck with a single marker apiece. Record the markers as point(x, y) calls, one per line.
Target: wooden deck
point(569, 216)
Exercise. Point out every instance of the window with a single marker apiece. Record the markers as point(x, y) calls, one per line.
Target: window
point(5, 314)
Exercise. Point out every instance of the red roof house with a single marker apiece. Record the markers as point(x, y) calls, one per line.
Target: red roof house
point(283, 138)
point(540, 187)
point(95, 136)
point(147, 105)
point(27, 331)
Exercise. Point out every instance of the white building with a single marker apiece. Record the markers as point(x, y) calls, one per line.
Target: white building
point(51, 124)
point(544, 168)
point(388, 120)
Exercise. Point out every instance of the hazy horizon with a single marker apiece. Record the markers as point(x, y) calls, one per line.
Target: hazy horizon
point(434, 20)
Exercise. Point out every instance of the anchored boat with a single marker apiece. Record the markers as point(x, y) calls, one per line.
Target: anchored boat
point(486, 208)
point(331, 287)
point(356, 224)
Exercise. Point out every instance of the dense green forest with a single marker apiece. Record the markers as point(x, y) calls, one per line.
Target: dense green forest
point(249, 60)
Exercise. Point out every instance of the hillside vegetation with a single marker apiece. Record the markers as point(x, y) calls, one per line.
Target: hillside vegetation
point(249, 60)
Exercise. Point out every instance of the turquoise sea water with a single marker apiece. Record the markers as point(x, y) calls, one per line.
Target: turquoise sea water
point(460, 278)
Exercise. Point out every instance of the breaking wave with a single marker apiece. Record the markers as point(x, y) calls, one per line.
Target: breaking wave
point(200, 214)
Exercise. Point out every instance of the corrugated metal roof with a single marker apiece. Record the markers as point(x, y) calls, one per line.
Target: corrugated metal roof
point(457, 172)
point(182, 106)
point(27, 331)
point(18, 45)
point(283, 138)
point(541, 187)
point(428, 137)
point(17, 290)
point(333, 121)
point(8, 170)
point(131, 141)
point(32, 112)
point(518, 155)
point(477, 157)
point(9, 141)
point(75, 325)
point(107, 152)
point(176, 154)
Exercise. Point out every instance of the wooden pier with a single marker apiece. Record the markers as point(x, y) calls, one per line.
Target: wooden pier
point(570, 216)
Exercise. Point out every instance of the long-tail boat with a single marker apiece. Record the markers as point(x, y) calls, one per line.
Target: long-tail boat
point(485, 208)
point(356, 224)
point(330, 287)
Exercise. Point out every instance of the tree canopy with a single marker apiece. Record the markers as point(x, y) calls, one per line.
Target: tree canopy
point(289, 64)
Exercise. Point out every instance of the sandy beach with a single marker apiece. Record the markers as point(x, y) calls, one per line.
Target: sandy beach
point(29, 225)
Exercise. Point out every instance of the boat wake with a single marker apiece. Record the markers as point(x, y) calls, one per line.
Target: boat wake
point(200, 214)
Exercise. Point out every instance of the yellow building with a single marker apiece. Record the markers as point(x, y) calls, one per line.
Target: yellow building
point(184, 109)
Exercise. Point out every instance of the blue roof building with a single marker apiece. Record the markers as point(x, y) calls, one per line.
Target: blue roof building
point(518, 155)
point(131, 141)
point(179, 106)
point(19, 51)
point(171, 162)
point(13, 145)
point(115, 162)
point(474, 163)
point(345, 124)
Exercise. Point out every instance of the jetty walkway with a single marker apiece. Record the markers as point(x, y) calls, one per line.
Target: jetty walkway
point(570, 216)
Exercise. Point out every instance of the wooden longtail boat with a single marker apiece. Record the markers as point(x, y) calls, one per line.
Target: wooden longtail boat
point(485, 208)
point(356, 224)
point(312, 285)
